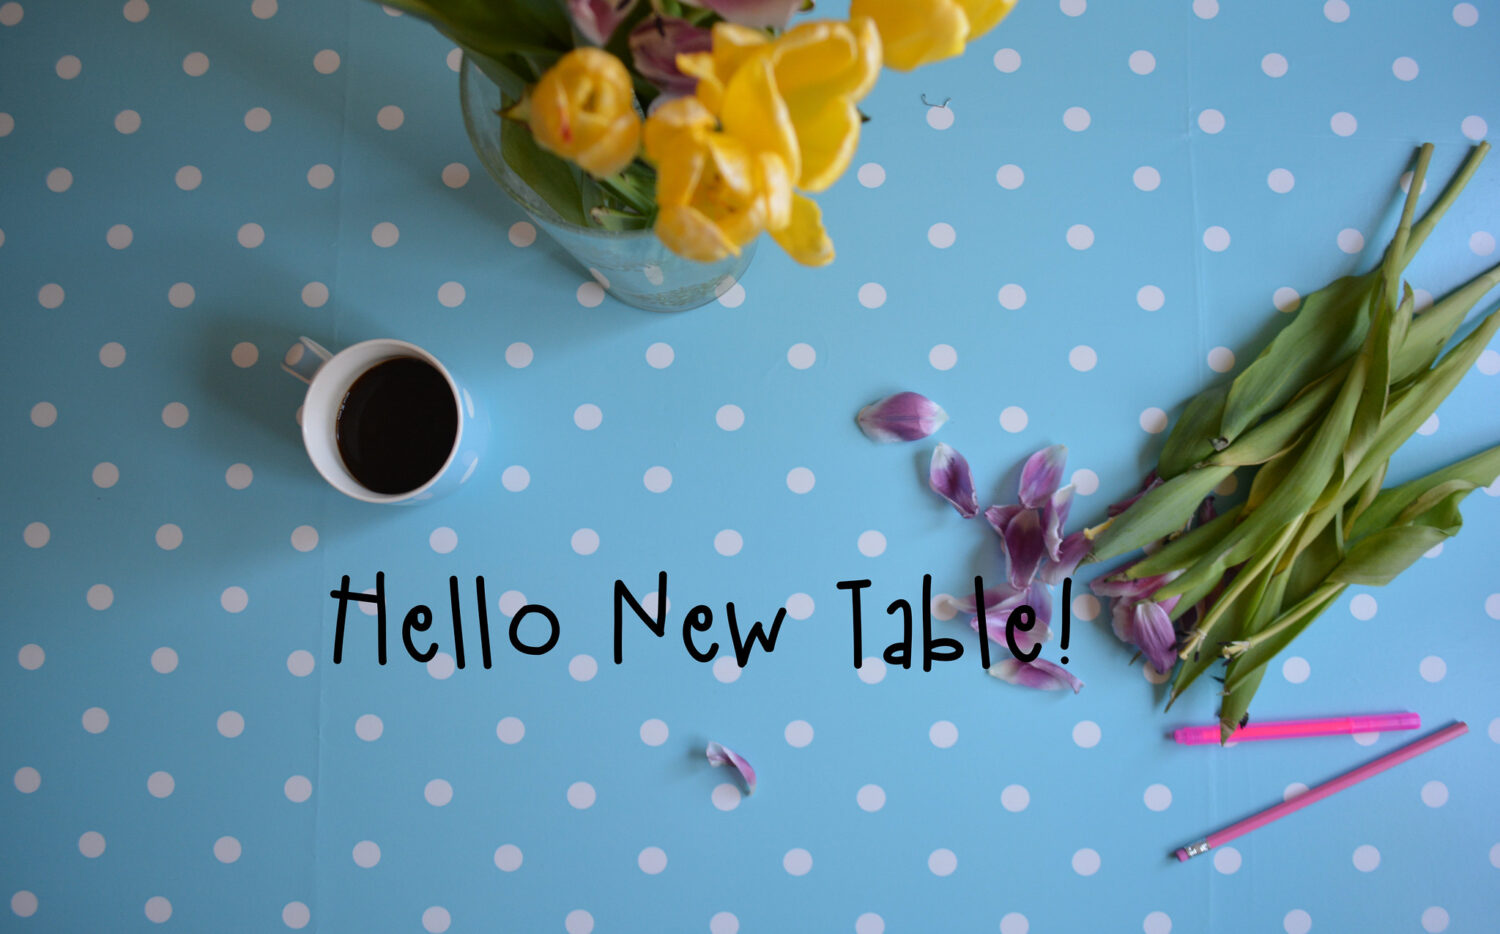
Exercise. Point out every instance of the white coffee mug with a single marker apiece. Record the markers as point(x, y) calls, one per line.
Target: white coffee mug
point(329, 377)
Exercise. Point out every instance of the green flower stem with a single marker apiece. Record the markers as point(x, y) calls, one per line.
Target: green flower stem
point(1241, 583)
point(1450, 194)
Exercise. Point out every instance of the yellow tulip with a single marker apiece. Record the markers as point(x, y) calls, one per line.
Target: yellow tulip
point(919, 32)
point(583, 109)
point(794, 96)
point(710, 195)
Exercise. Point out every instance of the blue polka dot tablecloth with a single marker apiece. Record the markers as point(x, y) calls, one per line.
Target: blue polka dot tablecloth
point(1098, 211)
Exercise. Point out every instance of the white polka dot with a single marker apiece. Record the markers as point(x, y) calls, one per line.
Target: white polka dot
point(1351, 240)
point(1434, 794)
point(585, 541)
point(227, 849)
point(231, 724)
point(583, 667)
point(798, 733)
point(1083, 358)
point(510, 730)
point(1296, 921)
point(1216, 238)
point(1280, 181)
point(320, 176)
point(1142, 62)
point(160, 784)
point(127, 122)
point(7, 123)
point(43, 414)
point(797, 862)
point(1153, 420)
point(515, 478)
point(1206, 9)
point(96, 720)
point(1482, 243)
point(1007, 61)
point(871, 543)
point(940, 118)
point(100, 597)
point(578, 921)
point(36, 535)
point(91, 844)
point(451, 294)
point(1293, 790)
point(1366, 858)
point(1273, 64)
point(1363, 606)
point(1221, 359)
point(799, 606)
point(1080, 236)
point(1076, 119)
point(588, 416)
point(725, 797)
point(1010, 177)
point(1014, 922)
point(27, 779)
point(1434, 551)
point(435, 920)
point(326, 62)
point(1295, 669)
point(366, 854)
point(728, 543)
point(511, 601)
point(369, 727)
point(244, 354)
point(1086, 862)
point(508, 857)
point(871, 175)
point(729, 417)
point(1158, 797)
point(257, 119)
point(522, 234)
point(304, 538)
point(1430, 426)
point(1474, 127)
point(652, 860)
point(441, 666)
point(234, 599)
point(106, 475)
point(11, 13)
point(1012, 296)
point(1286, 299)
point(50, 295)
point(158, 909)
point(872, 295)
point(1404, 68)
point(1015, 798)
point(1086, 606)
point(653, 732)
point(581, 795)
point(174, 415)
point(1086, 734)
point(801, 356)
point(164, 660)
point(1336, 10)
point(1433, 669)
point(301, 663)
point(384, 234)
point(1013, 419)
point(1227, 860)
point(733, 296)
point(658, 479)
point(800, 480)
point(870, 798)
point(390, 117)
point(1211, 121)
point(437, 792)
point(31, 656)
point(943, 734)
point(871, 670)
point(196, 65)
point(1157, 922)
point(1146, 178)
point(941, 235)
point(1465, 14)
point(181, 295)
point(239, 476)
point(590, 294)
point(136, 10)
point(1365, 739)
point(297, 789)
point(519, 355)
point(942, 357)
point(443, 539)
point(1343, 123)
point(187, 178)
point(942, 862)
point(1434, 920)
point(1150, 298)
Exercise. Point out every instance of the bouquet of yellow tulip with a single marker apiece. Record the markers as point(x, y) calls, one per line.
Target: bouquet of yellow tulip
point(708, 122)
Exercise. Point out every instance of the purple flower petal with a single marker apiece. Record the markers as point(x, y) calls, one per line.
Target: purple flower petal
point(757, 14)
point(1039, 598)
point(654, 45)
point(1041, 475)
point(597, 19)
point(1206, 511)
point(1054, 516)
point(950, 478)
point(723, 755)
point(1040, 674)
point(997, 615)
point(1069, 553)
point(1021, 539)
point(1151, 482)
point(906, 416)
point(1002, 595)
point(1151, 631)
point(1117, 586)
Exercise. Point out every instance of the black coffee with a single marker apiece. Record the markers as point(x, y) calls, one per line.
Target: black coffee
point(396, 425)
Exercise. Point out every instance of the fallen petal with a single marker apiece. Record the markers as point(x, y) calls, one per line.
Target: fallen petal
point(1115, 586)
point(1153, 634)
point(1054, 516)
point(950, 478)
point(1042, 474)
point(997, 616)
point(1040, 674)
point(723, 755)
point(1003, 595)
point(1021, 539)
point(1069, 553)
point(906, 416)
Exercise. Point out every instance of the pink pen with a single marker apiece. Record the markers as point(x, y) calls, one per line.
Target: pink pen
point(1374, 767)
point(1289, 729)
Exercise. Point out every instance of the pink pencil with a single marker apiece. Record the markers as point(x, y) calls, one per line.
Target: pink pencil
point(1288, 729)
point(1396, 757)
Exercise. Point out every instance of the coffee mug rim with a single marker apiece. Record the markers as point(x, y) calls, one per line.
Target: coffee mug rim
point(345, 481)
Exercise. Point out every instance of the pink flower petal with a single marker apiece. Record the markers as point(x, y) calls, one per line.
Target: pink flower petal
point(1054, 516)
point(1118, 586)
point(1069, 553)
point(906, 416)
point(1002, 595)
point(757, 14)
point(994, 627)
point(654, 45)
point(597, 19)
point(723, 755)
point(1040, 674)
point(950, 478)
point(1041, 475)
point(1021, 539)
point(1152, 633)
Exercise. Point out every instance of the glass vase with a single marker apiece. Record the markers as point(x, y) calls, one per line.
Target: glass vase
point(632, 265)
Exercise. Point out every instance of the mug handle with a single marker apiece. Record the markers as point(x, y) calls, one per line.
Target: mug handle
point(304, 358)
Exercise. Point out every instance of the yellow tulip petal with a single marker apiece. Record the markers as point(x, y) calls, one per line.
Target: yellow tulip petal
point(674, 124)
point(732, 161)
point(700, 65)
point(733, 45)
point(678, 174)
point(776, 190)
point(868, 57)
point(688, 233)
point(804, 239)
point(828, 136)
point(614, 149)
point(985, 14)
point(915, 32)
point(755, 113)
point(816, 57)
